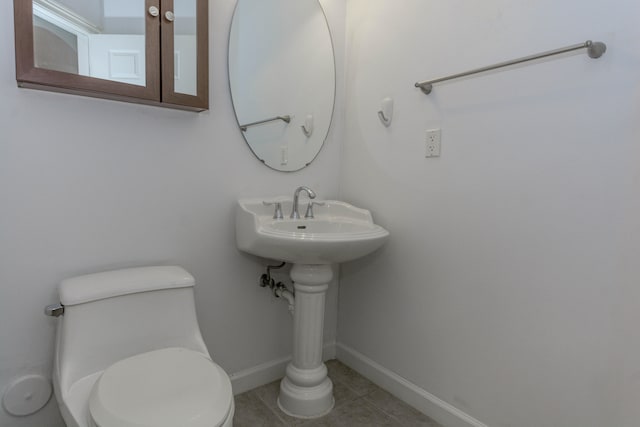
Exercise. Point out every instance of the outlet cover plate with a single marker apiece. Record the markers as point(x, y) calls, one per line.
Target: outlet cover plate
point(433, 142)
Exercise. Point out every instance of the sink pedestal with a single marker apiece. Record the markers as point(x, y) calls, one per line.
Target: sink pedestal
point(306, 391)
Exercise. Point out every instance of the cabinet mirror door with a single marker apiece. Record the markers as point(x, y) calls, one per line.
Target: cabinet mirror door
point(184, 52)
point(100, 46)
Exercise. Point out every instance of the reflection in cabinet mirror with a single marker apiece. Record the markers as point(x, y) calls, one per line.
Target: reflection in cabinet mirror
point(185, 46)
point(281, 65)
point(119, 49)
point(79, 37)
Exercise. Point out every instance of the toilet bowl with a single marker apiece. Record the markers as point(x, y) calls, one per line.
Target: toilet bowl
point(129, 352)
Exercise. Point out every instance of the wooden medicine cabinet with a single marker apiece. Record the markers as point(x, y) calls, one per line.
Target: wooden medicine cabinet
point(144, 51)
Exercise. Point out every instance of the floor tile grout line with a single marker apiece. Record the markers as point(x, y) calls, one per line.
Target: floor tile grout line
point(376, 407)
point(272, 410)
point(284, 423)
point(381, 409)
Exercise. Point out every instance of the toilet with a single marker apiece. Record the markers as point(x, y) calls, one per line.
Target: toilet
point(129, 352)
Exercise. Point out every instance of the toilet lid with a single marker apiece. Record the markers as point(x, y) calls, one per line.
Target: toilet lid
point(163, 388)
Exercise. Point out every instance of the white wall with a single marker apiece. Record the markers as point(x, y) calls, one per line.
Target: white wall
point(509, 287)
point(89, 185)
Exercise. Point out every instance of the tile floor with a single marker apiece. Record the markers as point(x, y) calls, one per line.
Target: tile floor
point(359, 402)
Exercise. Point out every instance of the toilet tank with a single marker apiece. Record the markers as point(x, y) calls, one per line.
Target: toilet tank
point(117, 314)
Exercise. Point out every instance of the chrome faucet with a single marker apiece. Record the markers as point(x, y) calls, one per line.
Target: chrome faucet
point(296, 195)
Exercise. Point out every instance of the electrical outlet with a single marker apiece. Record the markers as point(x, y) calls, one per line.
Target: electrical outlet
point(434, 141)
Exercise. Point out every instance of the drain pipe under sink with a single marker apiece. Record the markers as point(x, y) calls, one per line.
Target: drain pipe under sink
point(288, 295)
point(279, 289)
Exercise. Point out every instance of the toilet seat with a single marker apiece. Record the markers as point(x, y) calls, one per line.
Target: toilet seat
point(162, 388)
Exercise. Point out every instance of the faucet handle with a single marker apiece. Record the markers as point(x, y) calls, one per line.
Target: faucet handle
point(277, 214)
point(309, 213)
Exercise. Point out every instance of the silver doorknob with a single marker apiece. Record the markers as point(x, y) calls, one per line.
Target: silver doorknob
point(170, 16)
point(154, 11)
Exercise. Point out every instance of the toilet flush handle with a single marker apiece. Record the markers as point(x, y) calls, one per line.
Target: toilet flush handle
point(54, 310)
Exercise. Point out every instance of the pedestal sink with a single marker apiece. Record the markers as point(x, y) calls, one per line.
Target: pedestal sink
point(338, 232)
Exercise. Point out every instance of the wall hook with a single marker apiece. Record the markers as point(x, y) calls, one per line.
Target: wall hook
point(386, 111)
point(307, 127)
point(383, 119)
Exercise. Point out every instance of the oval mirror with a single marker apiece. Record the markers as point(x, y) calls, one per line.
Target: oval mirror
point(282, 78)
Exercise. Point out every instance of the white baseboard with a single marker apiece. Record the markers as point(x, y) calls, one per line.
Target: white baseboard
point(422, 400)
point(272, 370)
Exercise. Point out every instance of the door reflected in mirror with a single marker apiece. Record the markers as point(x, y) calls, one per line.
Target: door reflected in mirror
point(282, 79)
point(97, 38)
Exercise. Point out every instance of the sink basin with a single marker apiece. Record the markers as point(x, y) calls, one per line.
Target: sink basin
point(339, 232)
